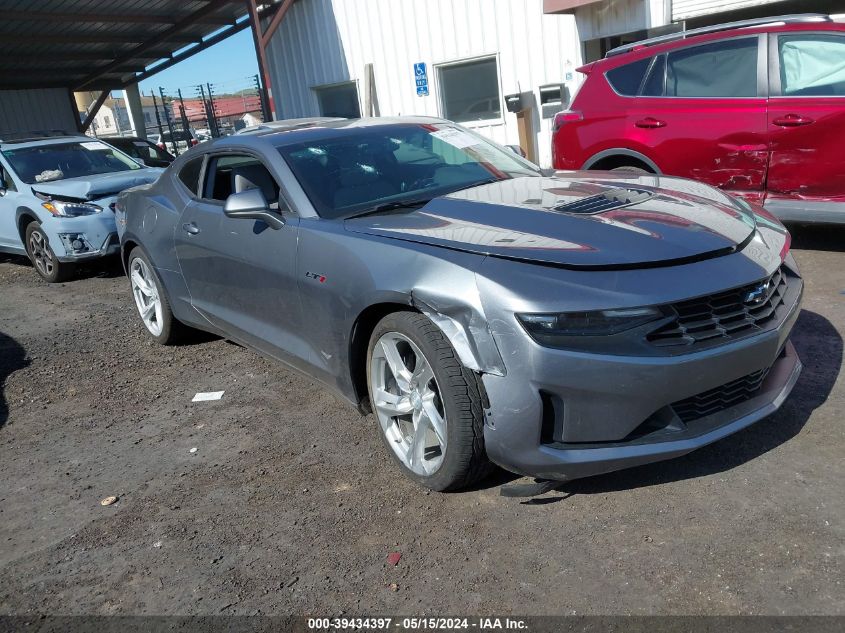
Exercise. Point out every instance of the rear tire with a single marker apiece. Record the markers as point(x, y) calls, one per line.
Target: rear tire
point(151, 301)
point(431, 416)
point(42, 256)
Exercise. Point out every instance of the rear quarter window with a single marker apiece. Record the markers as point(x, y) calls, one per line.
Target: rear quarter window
point(190, 174)
point(626, 80)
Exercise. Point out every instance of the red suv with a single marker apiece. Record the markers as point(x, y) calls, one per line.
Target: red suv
point(756, 108)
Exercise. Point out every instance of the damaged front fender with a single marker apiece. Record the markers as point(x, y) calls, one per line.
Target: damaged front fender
point(461, 318)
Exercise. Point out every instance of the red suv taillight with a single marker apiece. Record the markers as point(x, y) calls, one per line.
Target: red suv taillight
point(567, 116)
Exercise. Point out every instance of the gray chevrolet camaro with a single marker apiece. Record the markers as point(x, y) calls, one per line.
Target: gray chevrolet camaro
point(560, 326)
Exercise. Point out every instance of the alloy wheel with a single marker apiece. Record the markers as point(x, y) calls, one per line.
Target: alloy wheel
point(42, 254)
point(407, 402)
point(146, 295)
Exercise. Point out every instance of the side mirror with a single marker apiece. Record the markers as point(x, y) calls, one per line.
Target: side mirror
point(252, 205)
point(516, 149)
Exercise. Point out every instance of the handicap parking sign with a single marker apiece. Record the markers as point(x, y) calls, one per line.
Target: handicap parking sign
point(421, 78)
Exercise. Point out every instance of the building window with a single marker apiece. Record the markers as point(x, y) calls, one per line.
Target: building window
point(469, 91)
point(107, 120)
point(340, 100)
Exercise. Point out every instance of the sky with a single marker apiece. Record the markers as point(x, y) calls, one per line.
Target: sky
point(230, 65)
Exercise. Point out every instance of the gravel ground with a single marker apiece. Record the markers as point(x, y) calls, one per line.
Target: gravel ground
point(290, 504)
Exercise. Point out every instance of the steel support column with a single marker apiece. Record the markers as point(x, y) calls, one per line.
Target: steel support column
point(135, 110)
point(262, 39)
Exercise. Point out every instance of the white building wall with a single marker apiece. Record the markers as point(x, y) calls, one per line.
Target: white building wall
point(685, 9)
point(25, 111)
point(614, 17)
point(330, 41)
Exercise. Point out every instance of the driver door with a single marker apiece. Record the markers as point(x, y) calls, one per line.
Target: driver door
point(241, 273)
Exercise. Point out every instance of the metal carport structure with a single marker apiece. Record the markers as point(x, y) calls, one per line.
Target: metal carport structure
point(64, 46)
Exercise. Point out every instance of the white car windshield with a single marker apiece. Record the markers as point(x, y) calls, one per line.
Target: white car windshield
point(59, 161)
point(349, 171)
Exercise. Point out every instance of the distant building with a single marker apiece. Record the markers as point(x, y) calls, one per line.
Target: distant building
point(227, 108)
point(113, 118)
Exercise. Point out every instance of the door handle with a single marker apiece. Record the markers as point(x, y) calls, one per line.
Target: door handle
point(190, 228)
point(650, 123)
point(793, 120)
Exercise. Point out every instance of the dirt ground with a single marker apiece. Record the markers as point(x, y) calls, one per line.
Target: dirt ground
point(290, 504)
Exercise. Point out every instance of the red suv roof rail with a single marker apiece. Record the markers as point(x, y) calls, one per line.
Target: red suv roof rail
point(729, 26)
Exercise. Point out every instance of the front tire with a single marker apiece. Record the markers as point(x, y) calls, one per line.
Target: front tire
point(632, 169)
point(42, 256)
point(428, 406)
point(151, 301)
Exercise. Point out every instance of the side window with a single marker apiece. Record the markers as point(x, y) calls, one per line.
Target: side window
point(6, 181)
point(190, 174)
point(812, 65)
point(626, 79)
point(234, 173)
point(721, 69)
point(655, 83)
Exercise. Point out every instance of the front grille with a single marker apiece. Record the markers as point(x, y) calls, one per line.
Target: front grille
point(720, 398)
point(724, 315)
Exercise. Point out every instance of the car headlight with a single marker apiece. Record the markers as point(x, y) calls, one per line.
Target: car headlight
point(554, 330)
point(71, 209)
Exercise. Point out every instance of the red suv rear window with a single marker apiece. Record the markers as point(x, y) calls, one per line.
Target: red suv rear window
point(626, 80)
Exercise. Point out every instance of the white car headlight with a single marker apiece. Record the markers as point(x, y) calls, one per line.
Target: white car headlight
point(71, 209)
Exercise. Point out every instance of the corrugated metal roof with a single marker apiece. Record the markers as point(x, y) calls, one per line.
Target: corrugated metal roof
point(101, 44)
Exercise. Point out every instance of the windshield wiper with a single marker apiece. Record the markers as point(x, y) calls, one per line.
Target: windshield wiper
point(392, 206)
point(472, 185)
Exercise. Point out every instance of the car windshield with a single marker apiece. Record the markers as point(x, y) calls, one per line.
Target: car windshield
point(351, 171)
point(59, 161)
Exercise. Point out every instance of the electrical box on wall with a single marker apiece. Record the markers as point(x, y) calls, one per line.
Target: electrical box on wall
point(514, 103)
point(553, 99)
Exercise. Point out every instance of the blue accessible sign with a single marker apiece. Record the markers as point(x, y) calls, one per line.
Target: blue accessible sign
point(421, 77)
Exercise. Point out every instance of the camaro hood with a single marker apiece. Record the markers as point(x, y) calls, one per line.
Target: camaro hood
point(583, 220)
point(99, 186)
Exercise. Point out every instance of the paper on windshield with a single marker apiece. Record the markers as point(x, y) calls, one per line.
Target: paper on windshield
point(94, 145)
point(456, 138)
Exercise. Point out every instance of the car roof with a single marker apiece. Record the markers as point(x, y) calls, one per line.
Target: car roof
point(40, 141)
point(286, 132)
point(722, 31)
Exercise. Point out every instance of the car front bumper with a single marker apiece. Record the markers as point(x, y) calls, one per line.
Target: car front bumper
point(83, 238)
point(564, 415)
